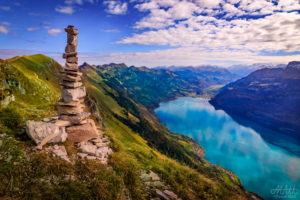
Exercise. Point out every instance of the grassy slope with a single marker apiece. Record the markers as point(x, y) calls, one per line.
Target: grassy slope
point(32, 175)
point(34, 83)
point(193, 180)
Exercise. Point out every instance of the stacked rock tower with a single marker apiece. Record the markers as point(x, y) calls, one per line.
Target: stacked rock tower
point(71, 105)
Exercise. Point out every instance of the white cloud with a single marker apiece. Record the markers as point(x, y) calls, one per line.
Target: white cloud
point(54, 31)
point(115, 7)
point(35, 28)
point(3, 30)
point(5, 8)
point(65, 9)
point(193, 24)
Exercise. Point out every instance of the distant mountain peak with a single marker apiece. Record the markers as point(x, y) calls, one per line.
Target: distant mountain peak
point(294, 64)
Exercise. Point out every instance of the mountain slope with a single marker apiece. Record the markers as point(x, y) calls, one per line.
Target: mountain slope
point(140, 142)
point(143, 137)
point(269, 97)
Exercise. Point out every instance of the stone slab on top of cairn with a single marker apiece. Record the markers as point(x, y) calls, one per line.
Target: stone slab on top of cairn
point(71, 105)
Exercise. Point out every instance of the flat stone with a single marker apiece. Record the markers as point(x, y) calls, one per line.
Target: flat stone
point(72, 54)
point(62, 123)
point(73, 94)
point(72, 73)
point(71, 30)
point(71, 84)
point(69, 110)
point(71, 66)
point(43, 132)
point(71, 103)
point(81, 133)
point(72, 59)
point(66, 77)
point(75, 119)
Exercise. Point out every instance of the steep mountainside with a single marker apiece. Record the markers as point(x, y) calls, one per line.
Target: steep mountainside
point(146, 155)
point(145, 85)
point(270, 97)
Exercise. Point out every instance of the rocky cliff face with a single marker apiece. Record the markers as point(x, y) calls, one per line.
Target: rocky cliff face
point(269, 97)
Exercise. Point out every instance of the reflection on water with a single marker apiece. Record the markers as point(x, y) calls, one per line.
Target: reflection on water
point(262, 167)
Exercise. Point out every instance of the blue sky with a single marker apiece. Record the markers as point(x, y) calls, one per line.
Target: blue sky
point(155, 32)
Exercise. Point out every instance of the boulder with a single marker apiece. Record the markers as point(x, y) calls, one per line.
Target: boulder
point(75, 119)
point(43, 132)
point(81, 133)
point(73, 94)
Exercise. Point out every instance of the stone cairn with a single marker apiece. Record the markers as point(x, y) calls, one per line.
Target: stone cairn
point(71, 105)
point(73, 122)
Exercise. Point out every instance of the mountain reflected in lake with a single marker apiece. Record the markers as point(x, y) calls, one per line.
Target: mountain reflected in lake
point(262, 167)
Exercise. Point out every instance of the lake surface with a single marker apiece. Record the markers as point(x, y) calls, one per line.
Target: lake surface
point(263, 168)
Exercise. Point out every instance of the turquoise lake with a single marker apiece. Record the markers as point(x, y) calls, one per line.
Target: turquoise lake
point(263, 168)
